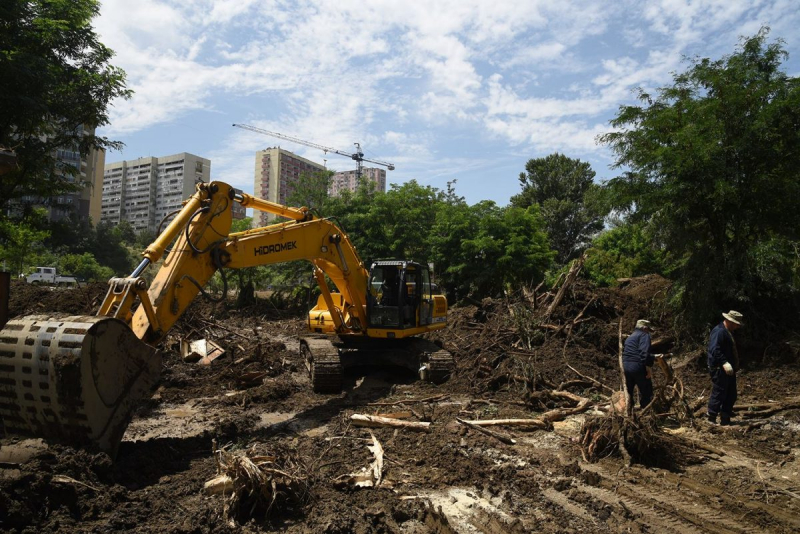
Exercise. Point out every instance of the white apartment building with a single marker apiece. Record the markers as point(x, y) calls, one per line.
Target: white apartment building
point(144, 191)
point(347, 180)
point(276, 171)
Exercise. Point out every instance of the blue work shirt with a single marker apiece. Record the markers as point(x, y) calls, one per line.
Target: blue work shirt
point(720, 347)
point(636, 351)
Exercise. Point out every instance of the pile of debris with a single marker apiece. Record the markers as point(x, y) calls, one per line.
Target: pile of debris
point(557, 351)
point(253, 482)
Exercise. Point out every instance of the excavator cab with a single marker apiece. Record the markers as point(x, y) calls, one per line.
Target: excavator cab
point(400, 295)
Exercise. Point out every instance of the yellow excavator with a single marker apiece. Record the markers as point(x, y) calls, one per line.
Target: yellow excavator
point(78, 379)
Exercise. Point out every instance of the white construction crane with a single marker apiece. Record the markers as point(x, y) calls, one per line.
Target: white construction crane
point(358, 156)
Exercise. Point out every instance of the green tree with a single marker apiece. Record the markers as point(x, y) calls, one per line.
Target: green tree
point(476, 250)
point(22, 241)
point(144, 238)
point(106, 245)
point(352, 212)
point(85, 267)
point(714, 162)
point(564, 188)
point(401, 221)
point(69, 235)
point(482, 249)
point(395, 224)
point(623, 251)
point(311, 191)
point(126, 232)
point(56, 84)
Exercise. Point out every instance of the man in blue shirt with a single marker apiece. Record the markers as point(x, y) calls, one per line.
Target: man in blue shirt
point(723, 362)
point(637, 361)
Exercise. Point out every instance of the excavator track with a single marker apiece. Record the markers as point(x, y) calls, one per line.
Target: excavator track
point(441, 365)
point(327, 357)
point(323, 363)
point(75, 380)
point(436, 365)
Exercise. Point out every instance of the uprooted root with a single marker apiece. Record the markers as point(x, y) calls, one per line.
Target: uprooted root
point(669, 401)
point(636, 438)
point(260, 482)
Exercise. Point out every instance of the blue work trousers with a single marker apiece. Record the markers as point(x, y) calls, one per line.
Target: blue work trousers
point(636, 376)
point(723, 392)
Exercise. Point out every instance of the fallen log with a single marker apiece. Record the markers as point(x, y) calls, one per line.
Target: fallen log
point(574, 382)
point(703, 446)
point(218, 484)
point(561, 413)
point(496, 435)
point(756, 405)
point(63, 479)
point(396, 415)
point(621, 427)
point(538, 423)
point(377, 422)
point(770, 411)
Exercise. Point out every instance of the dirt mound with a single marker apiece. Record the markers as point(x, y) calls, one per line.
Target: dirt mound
point(27, 299)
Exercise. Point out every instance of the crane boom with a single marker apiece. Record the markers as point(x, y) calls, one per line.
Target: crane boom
point(358, 156)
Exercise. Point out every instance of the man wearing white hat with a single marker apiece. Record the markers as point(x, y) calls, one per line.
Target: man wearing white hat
point(723, 362)
point(637, 361)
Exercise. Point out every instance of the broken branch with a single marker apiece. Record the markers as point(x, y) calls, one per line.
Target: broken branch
point(377, 421)
point(496, 435)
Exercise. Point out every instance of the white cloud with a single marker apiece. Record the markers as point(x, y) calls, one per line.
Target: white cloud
point(406, 77)
point(535, 54)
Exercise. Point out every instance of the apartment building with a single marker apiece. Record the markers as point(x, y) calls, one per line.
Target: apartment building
point(80, 205)
point(145, 191)
point(347, 180)
point(83, 204)
point(276, 171)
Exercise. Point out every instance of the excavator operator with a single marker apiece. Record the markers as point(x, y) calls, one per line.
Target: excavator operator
point(390, 288)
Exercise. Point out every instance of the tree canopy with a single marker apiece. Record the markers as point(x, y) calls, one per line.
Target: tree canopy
point(565, 191)
point(713, 165)
point(56, 84)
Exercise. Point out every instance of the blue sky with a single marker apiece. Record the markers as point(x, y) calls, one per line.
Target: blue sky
point(464, 90)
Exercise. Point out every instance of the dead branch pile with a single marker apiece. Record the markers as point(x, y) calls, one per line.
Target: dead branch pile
point(253, 483)
point(544, 339)
point(637, 436)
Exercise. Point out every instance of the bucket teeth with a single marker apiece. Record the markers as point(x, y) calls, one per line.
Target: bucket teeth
point(75, 380)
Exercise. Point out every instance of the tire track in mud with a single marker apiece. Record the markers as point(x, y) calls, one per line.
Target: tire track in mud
point(667, 513)
point(661, 500)
point(790, 521)
point(559, 499)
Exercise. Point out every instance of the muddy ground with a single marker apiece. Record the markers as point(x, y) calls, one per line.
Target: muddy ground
point(256, 401)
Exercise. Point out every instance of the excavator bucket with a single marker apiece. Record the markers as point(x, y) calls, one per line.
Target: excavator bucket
point(75, 380)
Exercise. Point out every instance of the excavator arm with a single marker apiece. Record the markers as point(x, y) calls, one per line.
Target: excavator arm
point(203, 245)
